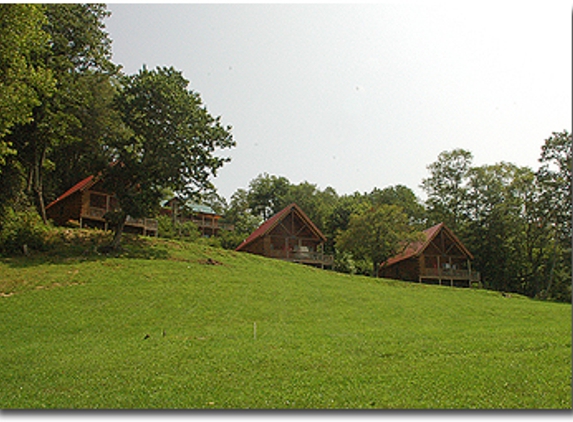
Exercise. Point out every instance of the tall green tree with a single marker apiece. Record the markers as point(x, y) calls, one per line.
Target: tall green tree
point(404, 197)
point(446, 188)
point(376, 234)
point(497, 225)
point(267, 194)
point(22, 78)
point(84, 151)
point(23, 83)
point(554, 175)
point(171, 147)
point(240, 215)
point(79, 58)
point(316, 204)
point(555, 179)
point(339, 217)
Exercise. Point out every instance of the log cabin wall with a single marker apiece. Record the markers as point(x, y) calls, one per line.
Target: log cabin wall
point(443, 253)
point(66, 210)
point(407, 270)
point(292, 234)
point(256, 247)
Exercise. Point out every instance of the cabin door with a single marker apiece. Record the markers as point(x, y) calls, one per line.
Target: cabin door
point(291, 243)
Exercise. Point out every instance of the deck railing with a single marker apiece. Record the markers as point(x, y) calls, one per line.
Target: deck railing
point(212, 224)
point(96, 212)
point(304, 257)
point(148, 224)
point(450, 273)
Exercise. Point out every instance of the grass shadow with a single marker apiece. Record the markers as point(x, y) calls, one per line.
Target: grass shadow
point(70, 246)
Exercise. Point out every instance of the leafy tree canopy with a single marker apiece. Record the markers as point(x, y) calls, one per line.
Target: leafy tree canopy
point(446, 186)
point(376, 234)
point(171, 147)
point(22, 79)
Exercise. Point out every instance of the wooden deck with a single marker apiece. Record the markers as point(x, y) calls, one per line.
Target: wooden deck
point(305, 257)
point(207, 223)
point(148, 226)
point(450, 276)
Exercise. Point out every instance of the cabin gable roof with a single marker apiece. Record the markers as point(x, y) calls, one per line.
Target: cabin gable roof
point(82, 185)
point(274, 223)
point(415, 249)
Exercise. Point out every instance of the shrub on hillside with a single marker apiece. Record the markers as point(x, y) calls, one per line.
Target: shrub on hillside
point(343, 263)
point(22, 231)
point(183, 231)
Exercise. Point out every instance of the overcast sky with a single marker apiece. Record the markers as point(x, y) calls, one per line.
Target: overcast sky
point(363, 96)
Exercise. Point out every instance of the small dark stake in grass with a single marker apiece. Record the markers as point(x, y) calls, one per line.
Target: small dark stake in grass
point(160, 327)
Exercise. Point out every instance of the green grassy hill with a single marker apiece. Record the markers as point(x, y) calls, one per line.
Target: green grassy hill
point(174, 325)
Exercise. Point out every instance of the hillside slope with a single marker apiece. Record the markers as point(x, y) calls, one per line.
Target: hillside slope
point(188, 326)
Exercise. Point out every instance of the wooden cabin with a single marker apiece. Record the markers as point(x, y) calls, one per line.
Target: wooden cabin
point(291, 236)
point(203, 216)
point(86, 204)
point(440, 258)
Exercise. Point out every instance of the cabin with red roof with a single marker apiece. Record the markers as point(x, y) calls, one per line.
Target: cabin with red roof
point(291, 236)
point(439, 258)
point(86, 204)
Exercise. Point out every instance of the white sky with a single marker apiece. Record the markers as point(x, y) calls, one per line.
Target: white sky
point(363, 96)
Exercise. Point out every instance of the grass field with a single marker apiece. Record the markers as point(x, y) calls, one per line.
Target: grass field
point(162, 327)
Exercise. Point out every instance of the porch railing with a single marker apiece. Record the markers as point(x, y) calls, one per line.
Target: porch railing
point(212, 224)
point(145, 223)
point(450, 273)
point(304, 257)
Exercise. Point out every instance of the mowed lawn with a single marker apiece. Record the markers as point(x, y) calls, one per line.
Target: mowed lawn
point(171, 330)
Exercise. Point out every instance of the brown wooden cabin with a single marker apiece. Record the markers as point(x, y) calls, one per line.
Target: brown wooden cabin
point(204, 217)
point(291, 236)
point(440, 258)
point(86, 203)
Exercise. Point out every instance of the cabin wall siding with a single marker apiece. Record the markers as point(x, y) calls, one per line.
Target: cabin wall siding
point(407, 270)
point(68, 209)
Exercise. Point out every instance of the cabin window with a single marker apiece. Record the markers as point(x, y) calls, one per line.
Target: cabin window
point(97, 201)
point(113, 203)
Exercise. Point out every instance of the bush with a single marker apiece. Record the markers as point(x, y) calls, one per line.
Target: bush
point(343, 263)
point(165, 227)
point(183, 231)
point(21, 231)
point(231, 239)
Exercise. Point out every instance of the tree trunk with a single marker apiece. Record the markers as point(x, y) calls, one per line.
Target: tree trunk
point(35, 183)
point(375, 269)
point(547, 292)
point(115, 243)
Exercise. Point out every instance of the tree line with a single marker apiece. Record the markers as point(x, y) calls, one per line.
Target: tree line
point(69, 112)
point(516, 221)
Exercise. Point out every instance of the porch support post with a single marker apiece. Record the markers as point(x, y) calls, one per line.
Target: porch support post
point(469, 273)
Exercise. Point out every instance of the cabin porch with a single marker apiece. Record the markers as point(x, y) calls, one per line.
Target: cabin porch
point(304, 250)
point(93, 212)
point(449, 277)
point(304, 256)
